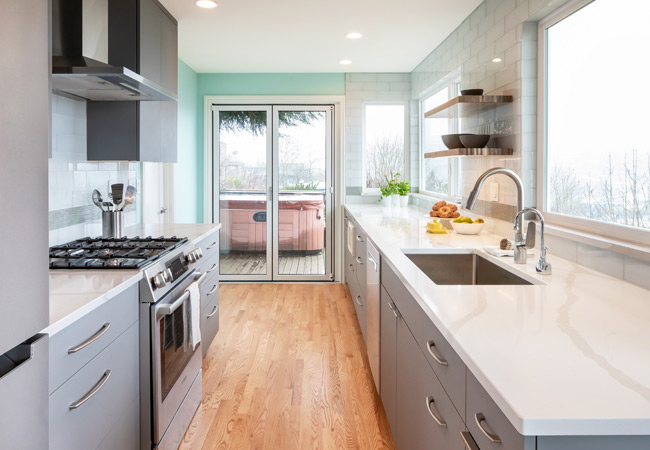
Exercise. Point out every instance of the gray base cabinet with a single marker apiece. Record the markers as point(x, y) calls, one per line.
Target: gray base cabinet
point(388, 357)
point(355, 270)
point(209, 245)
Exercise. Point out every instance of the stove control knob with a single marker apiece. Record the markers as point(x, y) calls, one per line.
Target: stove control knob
point(199, 252)
point(168, 275)
point(194, 255)
point(159, 280)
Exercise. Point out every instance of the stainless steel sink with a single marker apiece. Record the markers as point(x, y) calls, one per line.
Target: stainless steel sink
point(463, 268)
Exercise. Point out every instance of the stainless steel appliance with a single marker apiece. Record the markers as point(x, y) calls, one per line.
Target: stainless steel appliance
point(170, 370)
point(372, 310)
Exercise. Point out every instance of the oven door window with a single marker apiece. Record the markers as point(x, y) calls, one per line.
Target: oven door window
point(173, 359)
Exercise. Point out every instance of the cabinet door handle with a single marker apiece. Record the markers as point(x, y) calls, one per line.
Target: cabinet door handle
point(359, 238)
point(438, 359)
point(351, 266)
point(480, 418)
point(439, 421)
point(372, 260)
point(209, 247)
point(214, 266)
point(359, 300)
point(393, 308)
point(91, 339)
point(214, 288)
point(213, 312)
point(359, 260)
point(468, 440)
point(100, 384)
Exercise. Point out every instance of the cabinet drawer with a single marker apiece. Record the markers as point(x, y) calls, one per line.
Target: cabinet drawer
point(209, 245)
point(209, 288)
point(209, 323)
point(86, 426)
point(445, 362)
point(426, 417)
point(482, 409)
point(350, 267)
point(209, 265)
point(359, 304)
point(96, 329)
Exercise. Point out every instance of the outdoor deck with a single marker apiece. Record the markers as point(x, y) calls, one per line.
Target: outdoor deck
point(254, 263)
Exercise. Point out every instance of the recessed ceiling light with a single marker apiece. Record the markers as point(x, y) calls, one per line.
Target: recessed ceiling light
point(345, 62)
point(497, 60)
point(206, 3)
point(354, 35)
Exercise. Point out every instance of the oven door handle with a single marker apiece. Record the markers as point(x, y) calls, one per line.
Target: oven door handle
point(168, 310)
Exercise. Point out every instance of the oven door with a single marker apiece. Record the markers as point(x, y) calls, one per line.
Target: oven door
point(174, 369)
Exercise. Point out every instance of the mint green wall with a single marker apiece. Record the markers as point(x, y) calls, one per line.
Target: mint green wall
point(257, 84)
point(186, 183)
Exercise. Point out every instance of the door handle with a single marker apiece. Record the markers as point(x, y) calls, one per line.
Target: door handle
point(91, 339)
point(480, 418)
point(468, 440)
point(438, 359)
point(163, 210)
point(214, 311)
point(439, 420)
point(100, 384)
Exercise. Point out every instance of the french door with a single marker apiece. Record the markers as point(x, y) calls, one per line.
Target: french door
point(272, 179)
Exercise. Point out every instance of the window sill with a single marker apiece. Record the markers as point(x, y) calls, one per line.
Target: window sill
point(641, 252)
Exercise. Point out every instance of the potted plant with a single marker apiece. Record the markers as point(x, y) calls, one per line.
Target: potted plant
point(403, 189)
point(386, 194)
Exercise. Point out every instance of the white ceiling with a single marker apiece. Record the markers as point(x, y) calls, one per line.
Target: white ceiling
point(260, 36)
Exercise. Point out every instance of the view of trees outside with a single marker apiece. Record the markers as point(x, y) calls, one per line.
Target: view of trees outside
point(383, 142)
point(435, 171)
point(598, 150)
point(242, 150)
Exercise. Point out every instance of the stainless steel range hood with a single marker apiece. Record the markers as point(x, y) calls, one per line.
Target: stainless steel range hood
point(80, 56)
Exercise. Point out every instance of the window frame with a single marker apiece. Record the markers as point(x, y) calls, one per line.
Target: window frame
point(608, 230)
point(451, 83)
point(407, 142)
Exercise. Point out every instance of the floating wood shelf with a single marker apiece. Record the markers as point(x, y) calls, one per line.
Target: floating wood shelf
point(486, 151)
point(467, 105)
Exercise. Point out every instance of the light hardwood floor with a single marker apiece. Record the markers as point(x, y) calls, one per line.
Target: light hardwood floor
point(254, 263)
point(288, 370)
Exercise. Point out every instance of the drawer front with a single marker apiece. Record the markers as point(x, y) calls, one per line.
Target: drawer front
point(350, 268)
point(125, 434)
point(209, 265)
point(209, 323)
point(209, 245)
point(445, 362)
point(209, 288)
point(426, 417)
point(97, 329)
point(482, 409)
point(388, 359)
point(359, 304)
point(86, 426)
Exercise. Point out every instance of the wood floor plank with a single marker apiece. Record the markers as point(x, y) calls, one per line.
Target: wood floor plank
point(287, 370)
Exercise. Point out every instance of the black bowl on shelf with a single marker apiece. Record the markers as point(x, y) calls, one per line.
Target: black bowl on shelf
point(471, 92)
point(452, 141)
point(474, 140)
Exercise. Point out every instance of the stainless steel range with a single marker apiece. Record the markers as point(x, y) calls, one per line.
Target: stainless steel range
point(170, 369)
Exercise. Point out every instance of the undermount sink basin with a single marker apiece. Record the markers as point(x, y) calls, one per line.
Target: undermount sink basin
point(463, 268)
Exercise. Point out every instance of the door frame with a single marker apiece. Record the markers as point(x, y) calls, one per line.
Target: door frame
point(338, 164)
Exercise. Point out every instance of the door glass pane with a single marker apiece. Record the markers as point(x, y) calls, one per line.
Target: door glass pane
point(242, 192)
point(302, 155)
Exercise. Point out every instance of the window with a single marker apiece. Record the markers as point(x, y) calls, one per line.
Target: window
point(595, 141)
point(384, 143)
point(437, 175)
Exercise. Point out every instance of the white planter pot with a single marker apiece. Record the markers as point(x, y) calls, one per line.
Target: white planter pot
point(386, 202)
point(403, 200)
point(395, 199)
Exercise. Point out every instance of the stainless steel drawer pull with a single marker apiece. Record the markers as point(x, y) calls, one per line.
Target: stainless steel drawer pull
point(468, 440)
point(359, 260)
point(214, 266)
point(214, 288)
point(480, 418)
point(393, 308)
point(439, 421)
point(100, 384)
point(359, 300)
point(214, 311)
point(209, 247)
point(91, 339)
point(438, 359)
point(359, 238)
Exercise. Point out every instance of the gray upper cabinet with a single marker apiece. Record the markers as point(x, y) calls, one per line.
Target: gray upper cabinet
point(24, 143)
point(147, 130)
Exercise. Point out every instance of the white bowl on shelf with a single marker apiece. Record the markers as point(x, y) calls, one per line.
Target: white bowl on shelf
point(467, 228)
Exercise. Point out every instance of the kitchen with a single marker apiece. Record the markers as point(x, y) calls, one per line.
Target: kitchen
point(539, 350)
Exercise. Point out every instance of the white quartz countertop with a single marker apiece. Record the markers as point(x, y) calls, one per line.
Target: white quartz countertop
point(569, 355)
point(74, 293)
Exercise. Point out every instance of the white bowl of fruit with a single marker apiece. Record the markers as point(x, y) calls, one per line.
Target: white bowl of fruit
point(465, 225)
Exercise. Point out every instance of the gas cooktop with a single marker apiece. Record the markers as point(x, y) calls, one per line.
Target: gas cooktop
point(111, 253)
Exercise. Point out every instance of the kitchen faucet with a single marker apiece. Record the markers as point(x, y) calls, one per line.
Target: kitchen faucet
point(520, 252)
point(542, 266)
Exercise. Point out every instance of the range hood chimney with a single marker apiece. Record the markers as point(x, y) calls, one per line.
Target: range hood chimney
point(80, 55)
